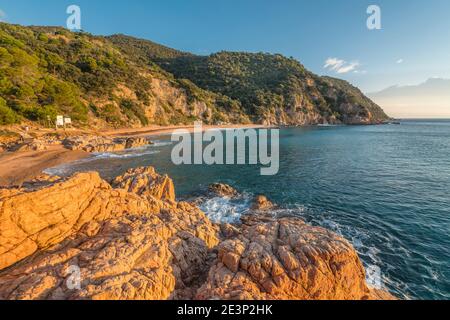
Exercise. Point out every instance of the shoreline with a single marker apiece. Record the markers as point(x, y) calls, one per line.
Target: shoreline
point(19, 167)
point(158, 131)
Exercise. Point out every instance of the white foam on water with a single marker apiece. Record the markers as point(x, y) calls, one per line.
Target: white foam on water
point(62, 170)
point(226, 210)
point(112, 155)
point(160, 143)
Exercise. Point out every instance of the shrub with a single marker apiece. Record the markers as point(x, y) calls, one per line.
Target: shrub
point(110, 113)
point(41, 113)
point(131, 109)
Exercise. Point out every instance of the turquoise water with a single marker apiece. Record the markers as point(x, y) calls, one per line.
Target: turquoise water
point(384, 188)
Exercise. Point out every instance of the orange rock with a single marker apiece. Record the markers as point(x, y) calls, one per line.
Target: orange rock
point(145, 181)
point(36, 220)
point(285, 259)
point(124, 245)
point(262, 203)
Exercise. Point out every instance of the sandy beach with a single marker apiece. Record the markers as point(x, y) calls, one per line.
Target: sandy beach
point(157, 130)
point(18, 167)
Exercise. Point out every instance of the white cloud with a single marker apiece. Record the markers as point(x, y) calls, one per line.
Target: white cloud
point(341, 66)
point(2, 15)
point(400, 61)
point(333, 63)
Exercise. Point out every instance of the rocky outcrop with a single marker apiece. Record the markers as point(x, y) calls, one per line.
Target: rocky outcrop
point(222, 190)
point(103, 144)
point(145, 181)
point(285, 259)
point(262, 203)
point(83, 238)
point(124, 246)
point(150, 256)
point(35, 145)
point(35, 219)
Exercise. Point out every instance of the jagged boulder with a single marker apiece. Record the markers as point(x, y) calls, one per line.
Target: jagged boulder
point(124, 245)
point(145, 181)
point(285, 259)
point(35, 219)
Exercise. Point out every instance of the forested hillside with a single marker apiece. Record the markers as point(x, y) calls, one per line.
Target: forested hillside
point(49, 71)
point(120, 81)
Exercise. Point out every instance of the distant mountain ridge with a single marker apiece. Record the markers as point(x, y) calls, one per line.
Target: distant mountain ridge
point(428, 99)
point(121, 81)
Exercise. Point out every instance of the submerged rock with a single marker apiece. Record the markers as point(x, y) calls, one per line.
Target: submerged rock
point(83, 238)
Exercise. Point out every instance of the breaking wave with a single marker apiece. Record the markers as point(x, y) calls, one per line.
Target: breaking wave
point(226, 210)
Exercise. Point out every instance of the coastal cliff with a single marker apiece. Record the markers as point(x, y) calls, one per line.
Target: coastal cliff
point(131, 239)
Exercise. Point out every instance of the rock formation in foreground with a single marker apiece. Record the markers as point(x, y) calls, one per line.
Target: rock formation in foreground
point(132, 240)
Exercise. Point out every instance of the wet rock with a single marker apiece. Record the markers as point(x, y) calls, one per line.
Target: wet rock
point(222, 190)
point(216, 190)
point(262, 203)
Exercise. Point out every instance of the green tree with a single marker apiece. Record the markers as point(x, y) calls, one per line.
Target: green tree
point(7, 115)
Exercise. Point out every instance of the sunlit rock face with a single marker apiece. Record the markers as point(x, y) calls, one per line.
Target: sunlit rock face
point(83, 238)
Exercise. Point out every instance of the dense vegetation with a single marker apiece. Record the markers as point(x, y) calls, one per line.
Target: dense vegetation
point(46, 71)
point(262, 83)
point(265, 81)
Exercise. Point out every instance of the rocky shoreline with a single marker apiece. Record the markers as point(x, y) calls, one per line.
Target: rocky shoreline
point(86, 143)
point(131, 239)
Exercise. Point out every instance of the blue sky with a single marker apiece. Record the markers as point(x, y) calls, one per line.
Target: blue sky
point(413, 45)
